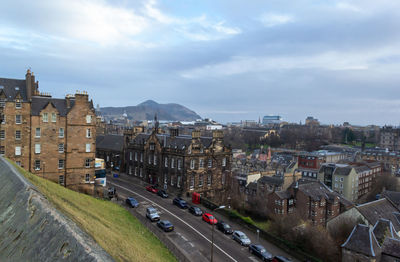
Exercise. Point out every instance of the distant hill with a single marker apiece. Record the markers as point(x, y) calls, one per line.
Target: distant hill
point(147, 110)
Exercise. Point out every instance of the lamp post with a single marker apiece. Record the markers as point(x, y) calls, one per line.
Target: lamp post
point(212, 234)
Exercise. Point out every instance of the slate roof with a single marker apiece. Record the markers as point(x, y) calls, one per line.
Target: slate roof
point(179, 142)
point(271, 180)
point(9, 88)
point(283, 194)
point(361, 240)
point(342, 171)
point(382, 208)
point(391, 247)
point(392, 196)
point(360, 169)
point(38, 103)
point(383, 229)
point(110, 142)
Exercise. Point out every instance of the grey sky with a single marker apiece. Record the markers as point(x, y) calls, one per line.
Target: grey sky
point(229, 60)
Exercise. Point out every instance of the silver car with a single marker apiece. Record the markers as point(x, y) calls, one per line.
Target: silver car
point(241, 237)
point(151, 213)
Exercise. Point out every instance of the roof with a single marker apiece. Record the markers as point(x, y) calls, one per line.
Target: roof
point(383, 229)
point(271, 180)
point(10, 90)
point(283, 194)
point(361, 240)
point(342, 171)
point(391, 247)
point(110, 142)
point(39, 103)
point(179, 142)
point(360, 169)
point(382, 208)
point(392, 196)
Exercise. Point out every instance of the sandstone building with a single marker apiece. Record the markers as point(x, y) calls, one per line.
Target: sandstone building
point(50, 137)
point(179, 162)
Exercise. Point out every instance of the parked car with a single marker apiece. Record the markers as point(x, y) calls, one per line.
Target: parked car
point(130, 201)
point(180, 202)
point(162, 193)
point(152, 189)
point(209, 218)
point(241, 238)
point(260, 251)
point(165, 225)
point(151, 213)
point(224, 227)
point(281, 259)
point(195, 211)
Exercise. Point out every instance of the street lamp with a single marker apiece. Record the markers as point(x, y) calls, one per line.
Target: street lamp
point(212, 234)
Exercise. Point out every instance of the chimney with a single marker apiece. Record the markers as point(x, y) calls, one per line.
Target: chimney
point(68, 101)
point(196, 134)
point(28, 81)
point(217, 135)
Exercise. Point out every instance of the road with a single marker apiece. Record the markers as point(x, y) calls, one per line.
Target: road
point(191, 234)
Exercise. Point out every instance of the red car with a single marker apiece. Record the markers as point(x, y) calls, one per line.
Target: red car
point(209, 218)
point(152, 189)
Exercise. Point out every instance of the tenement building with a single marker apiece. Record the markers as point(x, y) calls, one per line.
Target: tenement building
point(50, 137)
point(181, 162)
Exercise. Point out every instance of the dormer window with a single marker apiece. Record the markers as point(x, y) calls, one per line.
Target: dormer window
point(17, 88)
point(45, 117)
point(151, 146)
point(53, 117)
point(2, 102)
point(18, 104)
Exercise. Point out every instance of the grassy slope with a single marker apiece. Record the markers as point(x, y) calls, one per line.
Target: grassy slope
point(110, 225)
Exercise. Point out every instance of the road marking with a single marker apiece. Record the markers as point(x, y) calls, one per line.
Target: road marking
point(253, 259)
point(195, 230)
point(184, 238)
point(190, 243)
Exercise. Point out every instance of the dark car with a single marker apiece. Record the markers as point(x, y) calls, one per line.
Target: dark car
point(165, 225)
point(116, 168)
point(281, 259)
point(195, 211)
point(130, 201)
point(259, 251)
point(224, 227)
point(180, 202)
point(162, 193)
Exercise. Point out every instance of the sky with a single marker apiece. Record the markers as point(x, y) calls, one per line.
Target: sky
point(227, 60)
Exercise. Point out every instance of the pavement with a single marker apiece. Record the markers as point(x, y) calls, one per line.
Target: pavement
point(191, 235)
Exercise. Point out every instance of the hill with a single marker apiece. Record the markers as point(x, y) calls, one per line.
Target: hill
point(147, 110)
point(117, 231)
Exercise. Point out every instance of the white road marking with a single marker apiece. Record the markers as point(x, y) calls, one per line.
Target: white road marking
point(184, 238)
point(195, 230)
point(190, 243)
point(253, 259)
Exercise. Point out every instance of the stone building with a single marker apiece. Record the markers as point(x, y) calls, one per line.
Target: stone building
point(390, 138)
point(179, 162)
point(50, 137)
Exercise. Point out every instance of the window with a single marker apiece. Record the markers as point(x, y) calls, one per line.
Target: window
point(18, 119)
point(87, 163)
point(166, 161)
point(179, 164)
point(61, 132)
point(17, 134)
point(136, 173)
point(192, 163)
point(87, 148)
point(88, 133)
point(87, 178)
point(53, 117)
point(224, 161)
point(18, 104)
point(61, 148)
point(178, 182)
point(172, 162)
point(341, 179)
point(130, 155)
point(37, 132)
point(336, 185)
point(18, 163)
point(290, 201)
point(200, 180)
point(37, 164)
point(341, 185)
point(2, 102)
point(135, 156)
point(201, 163)
point(17, 150)
point(2, 134)
point(37, 148)
point(3, 119)
point(223, 179)
point(209, 179)
point(155, 160)
point(191, 185)
point(61, 180)
point(2, 151)
point(88, 119)
point(141, 172)
point(141, 157)
point(150, 158)
point(60, 163)
point(45, 117)
point(209, 163)
point(165, 179)
point(151, 146)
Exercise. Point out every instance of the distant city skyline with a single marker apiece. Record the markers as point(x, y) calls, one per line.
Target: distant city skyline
point(337, 61)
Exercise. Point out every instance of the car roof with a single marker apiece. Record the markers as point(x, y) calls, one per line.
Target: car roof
point(131, 198)
point(165, 221)
point(239, 232)
point(151, 208)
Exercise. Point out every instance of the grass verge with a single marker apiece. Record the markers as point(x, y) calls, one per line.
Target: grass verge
point(111, 226)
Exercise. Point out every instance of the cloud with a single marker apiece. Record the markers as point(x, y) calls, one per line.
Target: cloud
point(271, 20)
point(348, 7)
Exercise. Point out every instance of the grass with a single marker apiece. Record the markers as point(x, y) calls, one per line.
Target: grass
point(116, 230)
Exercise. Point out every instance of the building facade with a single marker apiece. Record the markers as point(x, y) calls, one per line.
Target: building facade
point(183, 163)
point(390, 138)
point(50, 137)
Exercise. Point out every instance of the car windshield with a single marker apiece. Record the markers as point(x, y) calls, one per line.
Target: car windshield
point(227, 226)
point(262, 250)
point(243, 236)
point(152, 211)
point(210, 217)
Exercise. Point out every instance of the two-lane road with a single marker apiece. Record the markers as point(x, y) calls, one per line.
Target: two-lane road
point(191, 234)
